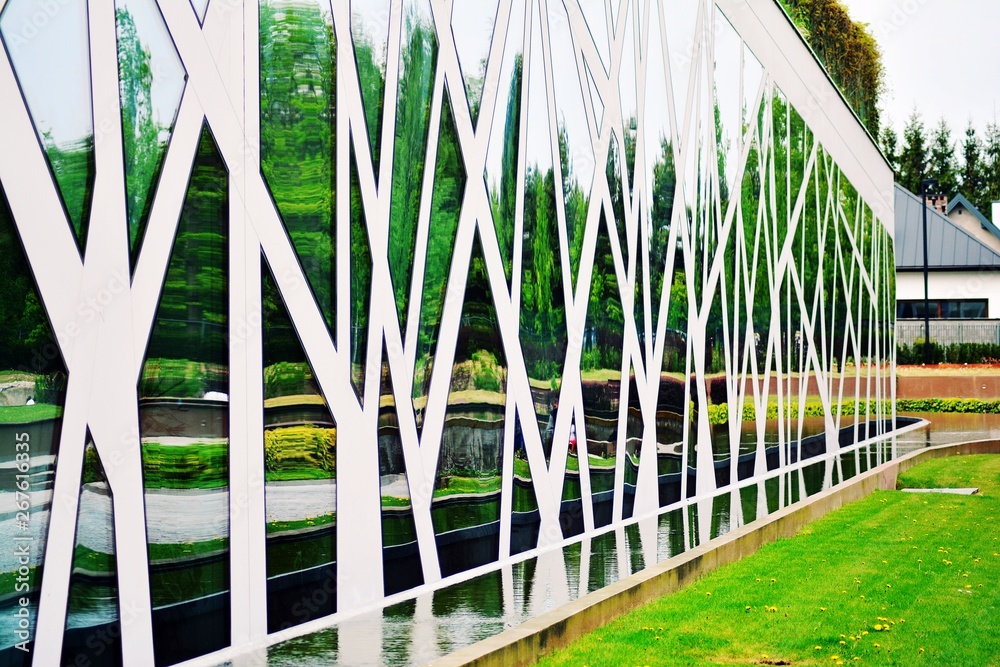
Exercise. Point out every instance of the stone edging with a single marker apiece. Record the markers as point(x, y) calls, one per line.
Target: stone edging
point(524, 644)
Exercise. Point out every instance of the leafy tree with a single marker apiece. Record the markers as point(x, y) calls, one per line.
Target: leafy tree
point(848, 50)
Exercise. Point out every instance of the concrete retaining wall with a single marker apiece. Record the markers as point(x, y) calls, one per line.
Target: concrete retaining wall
point(560, 627)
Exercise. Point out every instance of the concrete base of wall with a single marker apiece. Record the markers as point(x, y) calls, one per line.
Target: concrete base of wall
point(560, 627)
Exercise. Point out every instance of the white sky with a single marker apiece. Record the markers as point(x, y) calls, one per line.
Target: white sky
point(942, 56)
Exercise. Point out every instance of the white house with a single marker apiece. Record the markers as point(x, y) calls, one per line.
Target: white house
point(963, 266)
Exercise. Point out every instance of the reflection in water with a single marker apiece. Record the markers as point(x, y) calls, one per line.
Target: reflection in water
point(436, 623)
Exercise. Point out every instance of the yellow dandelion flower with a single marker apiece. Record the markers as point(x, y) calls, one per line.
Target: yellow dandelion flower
point(819, 648)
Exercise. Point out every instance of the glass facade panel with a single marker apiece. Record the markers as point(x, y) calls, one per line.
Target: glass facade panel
point(184, 426)
point(32, 398)
point(417, 60)
point(300, 476)
point(52, 64)
point(466, 505)
point(151, 82)
point(93, 628)
point(298, 88)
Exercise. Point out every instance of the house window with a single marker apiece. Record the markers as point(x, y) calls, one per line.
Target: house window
point(958, 309)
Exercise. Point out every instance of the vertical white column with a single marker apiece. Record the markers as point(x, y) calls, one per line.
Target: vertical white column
point(248, 578)
point(256, 508)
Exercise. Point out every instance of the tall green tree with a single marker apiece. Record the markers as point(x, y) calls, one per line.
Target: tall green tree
point(991, 170)
point(942, 159)
point(914, 154)
point(890, 146)
point(973, 177)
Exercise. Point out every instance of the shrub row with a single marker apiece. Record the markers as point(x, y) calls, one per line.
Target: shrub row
point(719, 414)
point(955, 353)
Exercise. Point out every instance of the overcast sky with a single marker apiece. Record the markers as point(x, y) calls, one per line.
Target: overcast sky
point(941, 56)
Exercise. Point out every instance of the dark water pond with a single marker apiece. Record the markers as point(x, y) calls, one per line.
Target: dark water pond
point(436, 623)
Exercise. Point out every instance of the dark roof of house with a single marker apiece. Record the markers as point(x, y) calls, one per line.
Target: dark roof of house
point(960, 200)
point(949, 246)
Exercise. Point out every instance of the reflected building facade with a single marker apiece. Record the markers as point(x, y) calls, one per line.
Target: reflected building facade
point(312, 305)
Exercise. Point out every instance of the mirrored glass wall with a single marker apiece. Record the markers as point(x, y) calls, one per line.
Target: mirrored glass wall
point(548, 267)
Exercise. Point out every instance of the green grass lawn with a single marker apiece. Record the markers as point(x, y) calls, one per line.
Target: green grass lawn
point(24, 414)
point(894, 579)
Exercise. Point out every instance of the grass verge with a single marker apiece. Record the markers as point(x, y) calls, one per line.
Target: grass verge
point(894, 579)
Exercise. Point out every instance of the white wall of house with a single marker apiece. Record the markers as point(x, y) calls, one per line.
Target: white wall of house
point(952, 285)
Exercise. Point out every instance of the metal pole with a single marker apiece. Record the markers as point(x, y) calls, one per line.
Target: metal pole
point(926, 185)
point(927, 302)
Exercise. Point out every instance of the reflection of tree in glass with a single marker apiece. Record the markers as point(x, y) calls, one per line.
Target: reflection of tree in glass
point(371, 74)
point(188, 350)
point(504, 197)
point(605, 314)
point(577, 203)
point(25, 333)
point(361, 282)
point(74, 169)
point(143, 137)
point(298, 139)
point(416, 78)
point(543, 313)
point(449, 187)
